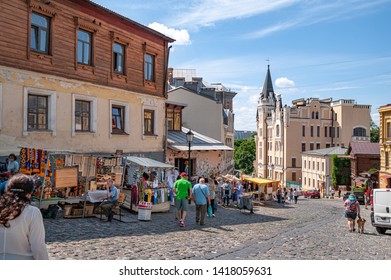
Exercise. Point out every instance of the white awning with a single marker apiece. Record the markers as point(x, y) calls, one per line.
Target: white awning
point(200, 147)
point(147, 162)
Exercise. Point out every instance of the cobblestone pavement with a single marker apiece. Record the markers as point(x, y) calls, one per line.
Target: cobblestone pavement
point(311, 229)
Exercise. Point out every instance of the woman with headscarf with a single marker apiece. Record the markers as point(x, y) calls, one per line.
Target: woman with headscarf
point(352, 210)
point(22, 233)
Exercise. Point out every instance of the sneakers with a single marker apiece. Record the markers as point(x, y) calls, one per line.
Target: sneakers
point(181, 223)
point(213, 215)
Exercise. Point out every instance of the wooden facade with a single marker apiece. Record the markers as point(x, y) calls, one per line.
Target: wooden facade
point(66, 17)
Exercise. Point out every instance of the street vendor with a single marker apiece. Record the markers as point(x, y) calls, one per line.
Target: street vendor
point(111, 200)
point(12, 165)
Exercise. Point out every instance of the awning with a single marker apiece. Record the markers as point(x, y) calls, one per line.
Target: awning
point(261, 181)
point(388, 176)
point(147, 162)
point(181, 147)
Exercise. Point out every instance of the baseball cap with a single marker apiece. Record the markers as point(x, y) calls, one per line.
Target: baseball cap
point(183, 174)
point(352, 197)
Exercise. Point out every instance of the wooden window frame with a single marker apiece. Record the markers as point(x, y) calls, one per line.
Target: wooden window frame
point(122, 119)
point(91, 26)
point(152, 51)
point(46, 108)
point(152, 68)
point(93, 113)
point(90, 35)
point(81, 113)
point(46, 10)
point(125, 117)
point(38, 28)
point(125, 42)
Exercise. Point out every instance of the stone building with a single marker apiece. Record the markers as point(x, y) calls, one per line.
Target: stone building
point(284, 132)
point(385, 146)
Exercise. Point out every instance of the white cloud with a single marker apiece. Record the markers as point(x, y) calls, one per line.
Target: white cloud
point(182, 36)
point(284, 82)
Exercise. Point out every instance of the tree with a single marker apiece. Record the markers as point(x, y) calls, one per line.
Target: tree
point(244, 155)
point(375, 132)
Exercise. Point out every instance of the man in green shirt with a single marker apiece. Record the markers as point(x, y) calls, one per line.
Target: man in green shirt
point(181, 192)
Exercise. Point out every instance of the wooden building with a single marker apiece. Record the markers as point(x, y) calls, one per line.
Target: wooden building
point(77, 76)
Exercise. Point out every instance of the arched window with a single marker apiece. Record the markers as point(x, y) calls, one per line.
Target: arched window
point(317, 115)
point(313, 115)
point(359, 131)
point(277, 130)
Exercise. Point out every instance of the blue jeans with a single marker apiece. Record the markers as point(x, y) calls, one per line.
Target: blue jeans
point(226, 198)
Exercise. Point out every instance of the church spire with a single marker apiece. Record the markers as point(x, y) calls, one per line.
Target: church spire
point(268, 90)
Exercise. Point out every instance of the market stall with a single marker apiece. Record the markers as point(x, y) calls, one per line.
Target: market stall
point(145, 182)
point(262, 189)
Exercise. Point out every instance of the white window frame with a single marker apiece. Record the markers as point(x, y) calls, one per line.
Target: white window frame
point(93, 115)
point(52, 110)
point(1, 106)
point(126, 117)
point(155, 122)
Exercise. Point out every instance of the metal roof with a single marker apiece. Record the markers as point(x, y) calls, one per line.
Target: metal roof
point(147, 162)
point(364, 148)
point(327, 151)
point(177, 141)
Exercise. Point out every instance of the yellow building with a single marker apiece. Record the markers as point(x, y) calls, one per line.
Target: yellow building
point(385, 146)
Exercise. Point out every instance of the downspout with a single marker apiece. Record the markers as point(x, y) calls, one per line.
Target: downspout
point(165, 94)
point(332, 127)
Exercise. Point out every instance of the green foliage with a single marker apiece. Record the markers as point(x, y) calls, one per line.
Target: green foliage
point(375, 132)
point(244, 155)
point(340, 170)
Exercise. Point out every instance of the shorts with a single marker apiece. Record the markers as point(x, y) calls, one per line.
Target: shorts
point(181, 204)
point(350, 215)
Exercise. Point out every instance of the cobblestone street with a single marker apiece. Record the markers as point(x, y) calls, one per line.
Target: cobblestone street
point(312, 229)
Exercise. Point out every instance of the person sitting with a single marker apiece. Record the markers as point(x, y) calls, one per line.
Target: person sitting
point(111, 200)
point(12, 165)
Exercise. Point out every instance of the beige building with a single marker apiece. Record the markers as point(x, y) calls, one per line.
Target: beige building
point(94, 82)
point(316, 170)
point(385, 146)
point(284, 132)
point(209, 110)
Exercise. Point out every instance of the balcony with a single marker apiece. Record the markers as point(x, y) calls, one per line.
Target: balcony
point(361, 139)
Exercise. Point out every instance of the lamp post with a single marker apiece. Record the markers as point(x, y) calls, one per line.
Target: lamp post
point(189, 136)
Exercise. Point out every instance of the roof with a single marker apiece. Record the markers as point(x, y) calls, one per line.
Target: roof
point(147, 162)
point(268, 86)
point(261, 181)
point(177, 141)
point(188, 74)
point(328, 151)
point(364, 148)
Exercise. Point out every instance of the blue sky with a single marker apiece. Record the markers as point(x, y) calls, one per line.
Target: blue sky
point(315, 48)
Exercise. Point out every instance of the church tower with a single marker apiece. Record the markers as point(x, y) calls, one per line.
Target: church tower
point(268, 105)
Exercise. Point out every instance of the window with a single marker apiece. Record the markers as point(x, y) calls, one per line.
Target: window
point(387, 159)
point(317, 146)
point(303, 147)
point(317, 166)
point(149, 68)
point(313, 115)
point(338, 132)
point(277, 130)
point(37, 112)
point(84, 47)
point(318, 131)
point(327, 145)
point(118, 58)
point(39, 33)
point(149, 120)
point(388, 132)
point(311, 146)
point(325, 131)
point(119, 115)
point(312, 131)
point(313, 165)
point(293, 162)
point(293, 176)
point(303, 130)
point(174, 117)
point(322, 166)
point(359, 131)
point(82, 115)
point(305, 164)
point(317, 115)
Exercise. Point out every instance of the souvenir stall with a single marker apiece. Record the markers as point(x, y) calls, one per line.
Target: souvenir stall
point(146, 184)
point(262, 189)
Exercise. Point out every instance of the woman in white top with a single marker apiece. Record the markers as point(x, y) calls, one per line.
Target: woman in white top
point(22, 233)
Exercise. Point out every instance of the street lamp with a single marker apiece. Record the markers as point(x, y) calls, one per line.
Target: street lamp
point(189, 136)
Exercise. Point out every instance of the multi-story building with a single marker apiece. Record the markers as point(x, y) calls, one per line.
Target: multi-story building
point(284, 132)
point(385, 146)
point(76, 76)
point(209, 110)
point(316, 169)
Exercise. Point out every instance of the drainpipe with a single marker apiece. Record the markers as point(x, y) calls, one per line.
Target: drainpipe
point(165, 94)
point(332, 127)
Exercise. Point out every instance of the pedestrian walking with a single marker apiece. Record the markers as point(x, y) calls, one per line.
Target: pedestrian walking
point(291, 195)
point(226, 193)
point(352, 210)
point(182, 194)
point(339, 192)
point(295, 195)
point(22, 232)
point(279, 195)
point(212, 191)
point(201, 198)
